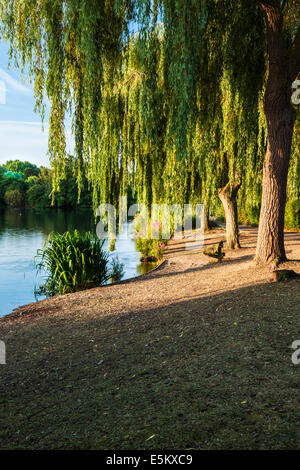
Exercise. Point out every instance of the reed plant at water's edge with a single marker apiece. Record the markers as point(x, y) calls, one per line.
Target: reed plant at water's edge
point(75, 261)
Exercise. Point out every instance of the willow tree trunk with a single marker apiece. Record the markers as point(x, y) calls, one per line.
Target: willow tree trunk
point(206, 218)
point(228, 195)
point(280, 117)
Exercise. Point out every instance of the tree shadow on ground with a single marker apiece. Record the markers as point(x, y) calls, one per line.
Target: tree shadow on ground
point(214, 372)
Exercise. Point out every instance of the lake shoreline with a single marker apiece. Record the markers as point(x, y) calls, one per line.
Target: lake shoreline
point(175, 254)
point(22, 233)
point(22, 309)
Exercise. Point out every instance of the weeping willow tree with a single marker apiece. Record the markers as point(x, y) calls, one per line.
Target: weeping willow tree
point(218, 144)
point(228, 132)
point(73, 52)
point(197, 66)
point(150, 151)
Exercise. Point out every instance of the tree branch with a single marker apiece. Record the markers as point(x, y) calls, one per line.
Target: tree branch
point(269, 6)
point(265, 4)
point(272, 11)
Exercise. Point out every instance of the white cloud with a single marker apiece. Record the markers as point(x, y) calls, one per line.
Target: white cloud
point(23, 141)
point(14, 84)
point(26, 141)
point(2, 92)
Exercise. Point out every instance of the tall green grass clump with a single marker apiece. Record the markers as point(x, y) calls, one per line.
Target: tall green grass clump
point(74, 261)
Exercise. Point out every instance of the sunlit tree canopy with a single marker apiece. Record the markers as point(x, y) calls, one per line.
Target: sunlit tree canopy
point(165, 95)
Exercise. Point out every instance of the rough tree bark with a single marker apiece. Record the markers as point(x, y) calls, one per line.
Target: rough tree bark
point(227, 195)
point(280, 116)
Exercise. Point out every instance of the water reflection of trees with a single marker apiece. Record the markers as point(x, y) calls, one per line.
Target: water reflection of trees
point(46, 220)
point(21, 222)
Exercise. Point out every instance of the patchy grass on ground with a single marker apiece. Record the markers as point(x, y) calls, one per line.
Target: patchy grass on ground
point(208, 373)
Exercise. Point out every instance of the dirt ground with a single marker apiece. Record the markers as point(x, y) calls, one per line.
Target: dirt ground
point(194, 355)
point(185, 274)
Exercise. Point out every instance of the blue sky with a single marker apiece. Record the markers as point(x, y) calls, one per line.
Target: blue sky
point(21, 134)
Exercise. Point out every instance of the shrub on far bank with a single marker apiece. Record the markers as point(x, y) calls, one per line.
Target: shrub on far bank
point(250, 216)
point(150, 249)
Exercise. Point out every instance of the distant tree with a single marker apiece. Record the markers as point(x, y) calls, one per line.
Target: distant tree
point(14, 198)
point(27, 169)
point(39, 192)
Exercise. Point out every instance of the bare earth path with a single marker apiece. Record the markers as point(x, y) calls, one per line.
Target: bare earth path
point(186, 274)
point(192, 355)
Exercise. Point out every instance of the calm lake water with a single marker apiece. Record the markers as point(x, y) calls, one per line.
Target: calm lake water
point(23, 232)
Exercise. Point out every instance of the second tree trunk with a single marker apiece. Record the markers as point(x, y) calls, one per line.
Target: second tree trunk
point(228, 195)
